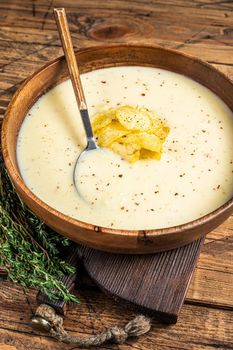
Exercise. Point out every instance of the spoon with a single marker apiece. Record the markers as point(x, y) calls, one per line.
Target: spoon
point(64, 33)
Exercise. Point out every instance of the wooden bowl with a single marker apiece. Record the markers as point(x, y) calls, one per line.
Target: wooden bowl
point(106, 239)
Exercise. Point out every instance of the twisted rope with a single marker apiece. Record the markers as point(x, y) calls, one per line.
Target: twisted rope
point(138, 326)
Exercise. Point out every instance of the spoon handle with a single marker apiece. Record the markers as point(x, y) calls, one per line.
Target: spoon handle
point(65, 37)
point(63, 29)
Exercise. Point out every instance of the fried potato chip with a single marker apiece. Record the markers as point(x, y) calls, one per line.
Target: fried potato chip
point(130, 152)
point(147, 141)
point(110, 133)
point(161, 132)
point(134, 118)
point(146, 154)
point(157, 123)
point(132, 132)
point(103, 119)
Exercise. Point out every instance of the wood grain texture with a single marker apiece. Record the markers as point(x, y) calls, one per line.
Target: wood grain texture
point(28, 39)
point(155, 283)
point(67, 45)
point(198, 327)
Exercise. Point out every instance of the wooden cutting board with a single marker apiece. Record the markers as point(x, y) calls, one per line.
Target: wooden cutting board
point(153, 283)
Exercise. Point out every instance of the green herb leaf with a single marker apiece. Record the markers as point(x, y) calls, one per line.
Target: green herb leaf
point(29, 250)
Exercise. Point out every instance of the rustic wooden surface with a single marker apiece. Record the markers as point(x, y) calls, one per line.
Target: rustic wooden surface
point(154, 283)
point(28, 40)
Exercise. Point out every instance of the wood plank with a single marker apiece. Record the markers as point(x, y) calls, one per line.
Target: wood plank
point(226, 69)
point(197, 328)
point(223, 231)
point(203, 286)
point(153, 282)
point(202, 289)
point(218, 256)
point(7, 347)
point(208, 25)
point(184, 5)
point(211, 288)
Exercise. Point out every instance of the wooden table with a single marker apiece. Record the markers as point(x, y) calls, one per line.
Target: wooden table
point(28, 40)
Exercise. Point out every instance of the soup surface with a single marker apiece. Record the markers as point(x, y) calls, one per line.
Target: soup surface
point(193, 177)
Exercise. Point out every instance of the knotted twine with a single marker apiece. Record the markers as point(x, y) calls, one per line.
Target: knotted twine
point(138, 326)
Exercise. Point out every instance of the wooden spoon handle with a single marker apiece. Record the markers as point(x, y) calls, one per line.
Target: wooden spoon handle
point(63, 29)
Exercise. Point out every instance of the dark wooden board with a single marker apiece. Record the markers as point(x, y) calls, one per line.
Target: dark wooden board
point(155, 283)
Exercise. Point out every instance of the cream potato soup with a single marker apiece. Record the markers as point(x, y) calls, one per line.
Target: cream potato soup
point(193, 177)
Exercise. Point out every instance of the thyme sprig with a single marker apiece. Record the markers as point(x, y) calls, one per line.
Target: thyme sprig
point(29, 250)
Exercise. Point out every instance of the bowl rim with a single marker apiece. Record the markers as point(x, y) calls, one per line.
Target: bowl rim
point(17, 178)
